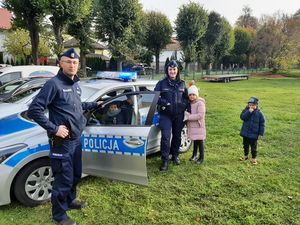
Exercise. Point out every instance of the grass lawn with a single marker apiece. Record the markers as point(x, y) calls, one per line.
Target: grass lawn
point(291, 73)
point(221, 191)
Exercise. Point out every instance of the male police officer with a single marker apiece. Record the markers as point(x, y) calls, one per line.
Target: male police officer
point(61, 96)
point(171, 104)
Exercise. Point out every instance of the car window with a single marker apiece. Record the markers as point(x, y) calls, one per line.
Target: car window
point(146, 88)
point(9, 77)
point(115, 92)
point(21, 94)
point(127, 109)
point(10, 86)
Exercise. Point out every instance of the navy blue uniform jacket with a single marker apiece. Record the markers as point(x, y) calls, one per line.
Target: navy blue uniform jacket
point(254, 123)
point(61, 96)
point(173, 96)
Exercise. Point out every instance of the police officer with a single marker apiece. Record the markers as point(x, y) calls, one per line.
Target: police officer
point(61, 96)
point(171, 106)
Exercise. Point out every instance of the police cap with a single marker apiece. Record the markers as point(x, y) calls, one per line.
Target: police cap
point(173, 64)
point(71, 53)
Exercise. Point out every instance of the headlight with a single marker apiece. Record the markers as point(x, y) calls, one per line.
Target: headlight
point(7, 151)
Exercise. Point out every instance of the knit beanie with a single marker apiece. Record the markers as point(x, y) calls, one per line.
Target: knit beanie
point(193, 90)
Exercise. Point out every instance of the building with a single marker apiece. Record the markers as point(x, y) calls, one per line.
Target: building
point(172, 50)
point(99, 50)
point(5, 25)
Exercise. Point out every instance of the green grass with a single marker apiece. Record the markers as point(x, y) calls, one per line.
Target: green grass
point(291, 73)
point(223, 190)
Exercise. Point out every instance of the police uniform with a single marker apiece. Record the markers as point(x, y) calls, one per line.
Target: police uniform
point(61, 96)
point(171, 106)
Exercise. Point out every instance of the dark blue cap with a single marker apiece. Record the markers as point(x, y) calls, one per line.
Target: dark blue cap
point(71, 53)
point(253, 100)
point(173, 64)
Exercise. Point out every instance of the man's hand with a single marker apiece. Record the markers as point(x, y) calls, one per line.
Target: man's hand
point(62, 132)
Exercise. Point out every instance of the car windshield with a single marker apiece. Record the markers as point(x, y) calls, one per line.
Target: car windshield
point(11, 86)
point(21, 95)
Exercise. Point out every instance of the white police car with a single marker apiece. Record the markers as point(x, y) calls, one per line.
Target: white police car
point(116, 151)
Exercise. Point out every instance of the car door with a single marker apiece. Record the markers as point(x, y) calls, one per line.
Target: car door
point(115, 147)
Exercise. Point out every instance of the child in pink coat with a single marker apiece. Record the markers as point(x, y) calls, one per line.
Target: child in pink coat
point(196, 123)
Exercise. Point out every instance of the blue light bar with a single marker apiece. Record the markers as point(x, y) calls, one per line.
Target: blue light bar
point(125, 76)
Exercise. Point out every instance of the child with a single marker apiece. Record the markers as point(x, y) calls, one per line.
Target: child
point(114, 115)
point(253, 127)
point(196, 123)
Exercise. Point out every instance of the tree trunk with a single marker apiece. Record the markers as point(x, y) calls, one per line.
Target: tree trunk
point(34, 38)
point(57, 29)
point(208, 68)
point(157, 62)
point(83, 64)
point(199, 66)
point(119, 64)
point(186, 69)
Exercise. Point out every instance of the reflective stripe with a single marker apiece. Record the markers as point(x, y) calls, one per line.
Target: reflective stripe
point(14, 160)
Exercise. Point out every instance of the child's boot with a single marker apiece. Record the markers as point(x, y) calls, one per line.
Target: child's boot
point(244, 158)
point(201, 157)
point(194, 156)
point(254, 161)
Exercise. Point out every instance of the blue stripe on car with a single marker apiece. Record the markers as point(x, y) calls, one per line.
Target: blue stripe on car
point(14, 160)
point(13, 124)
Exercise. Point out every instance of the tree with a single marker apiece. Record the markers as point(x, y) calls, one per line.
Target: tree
point(63, 12)
point(243, 47)
point(246, 19)
point(226, 43)
point(212, 38)
point(17, 43)
point(120, 24)
point(82, 31)
point(273, 45)
point(191, 24)
point(158, 34)
point(28, 14)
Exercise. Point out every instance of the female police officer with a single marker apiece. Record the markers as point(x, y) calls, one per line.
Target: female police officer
point(171, 106)
point(61, 96)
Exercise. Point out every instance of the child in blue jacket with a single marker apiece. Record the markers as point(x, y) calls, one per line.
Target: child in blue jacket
point(253, 127)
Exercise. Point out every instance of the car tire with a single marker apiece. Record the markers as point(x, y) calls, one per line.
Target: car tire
point(33, 184)
point(185, 141)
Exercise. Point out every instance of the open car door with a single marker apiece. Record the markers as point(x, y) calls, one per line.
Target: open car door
point(114, 144)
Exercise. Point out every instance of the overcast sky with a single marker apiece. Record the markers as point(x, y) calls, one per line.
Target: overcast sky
point(230, 9)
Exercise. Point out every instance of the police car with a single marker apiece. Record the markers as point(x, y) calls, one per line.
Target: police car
point(115, 151)
point(10, 73)
point(16, 95)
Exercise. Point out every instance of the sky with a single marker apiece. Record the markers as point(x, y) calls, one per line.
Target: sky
point(230, 9)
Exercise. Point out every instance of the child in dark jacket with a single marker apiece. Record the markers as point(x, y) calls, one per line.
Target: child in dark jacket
point(114, 115)
point(253, 127)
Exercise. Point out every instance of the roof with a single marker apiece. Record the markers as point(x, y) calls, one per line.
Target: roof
point(75, 43)
point(174, 45)
point(94, 55)
point(5, 19)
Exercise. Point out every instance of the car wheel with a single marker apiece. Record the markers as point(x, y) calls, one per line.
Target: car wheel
point(185, 141)
point(33, 184)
